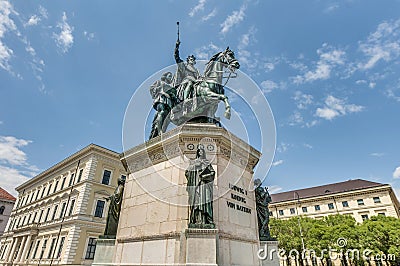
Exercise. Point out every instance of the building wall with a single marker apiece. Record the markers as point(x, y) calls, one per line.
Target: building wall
point(6, 206)
point(79, 222)
point(384, 204)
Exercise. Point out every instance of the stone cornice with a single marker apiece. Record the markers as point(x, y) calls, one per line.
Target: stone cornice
point(183, 140)
point(91, 148)
point(336, 196)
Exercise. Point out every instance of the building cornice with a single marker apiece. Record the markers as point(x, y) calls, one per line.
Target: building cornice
point(382, 188)
point(69, 160)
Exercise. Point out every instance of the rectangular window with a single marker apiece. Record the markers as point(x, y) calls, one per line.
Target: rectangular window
point(29, 218)
point(40, 216)
point(91, 248)
point(292, 211)
point(304, 209)
point(63, 183)
point(360, 202)
point(377, 200)
point(50, 254)
point(48, 191)
point(23, 220)
point(55, 187)
point(36, 249)
point(47, 215)
point(281, 212)
point(34, 217)
point(106, 177)
point(71, 180)
point(60, 247)
point(1, 251)
point(43, 249)
point(330, 206)
point(29, 250)
point(32, 195)
point(41, 196)
point(345, 203)
point(99, 208)
point(37, 194)
point(317, 207)
point(80, 175)
point(54, 212)
point(71, 207)
point(364, 217)
point(381, 213)
point(63, 209)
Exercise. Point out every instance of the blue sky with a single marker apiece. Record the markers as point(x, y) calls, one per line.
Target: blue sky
point(329, 70)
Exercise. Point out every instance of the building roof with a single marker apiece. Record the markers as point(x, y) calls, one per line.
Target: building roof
point(324, 190)
point(5, 195)
point(70, 159)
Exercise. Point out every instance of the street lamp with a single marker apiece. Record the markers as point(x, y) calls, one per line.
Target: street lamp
point(298, 219)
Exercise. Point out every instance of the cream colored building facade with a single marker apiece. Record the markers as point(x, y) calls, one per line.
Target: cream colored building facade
point(359, 198)
point(60, 213)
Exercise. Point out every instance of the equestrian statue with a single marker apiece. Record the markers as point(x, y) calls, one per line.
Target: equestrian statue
point(189, 96)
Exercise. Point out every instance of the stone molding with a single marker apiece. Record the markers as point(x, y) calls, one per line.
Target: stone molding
point(183, 140)
point(149, 238)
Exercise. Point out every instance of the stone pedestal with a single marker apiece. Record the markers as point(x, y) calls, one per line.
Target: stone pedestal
point(201, 247)
point(268, 253)
point(105, 251)
point(153, 225)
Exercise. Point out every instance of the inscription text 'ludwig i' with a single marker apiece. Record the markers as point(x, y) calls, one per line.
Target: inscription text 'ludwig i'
point(189, 96)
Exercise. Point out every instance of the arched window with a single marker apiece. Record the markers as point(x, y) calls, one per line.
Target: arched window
point(2, 209)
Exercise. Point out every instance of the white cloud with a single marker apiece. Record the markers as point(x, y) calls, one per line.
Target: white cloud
point(205, 52)
point(6, 24)
point(33, 20)
point(276, 163)
point(197, 8)
point(43, 12)
point(283, 147)
point(296, 119)
point(383, 44)
point(329, 58)
point(64, 39)
point(268, 86)
point(210, 15)
point(377, 154)
point(10, 151)
point(11, 178)
point(14, 168)
point(396, 173)
point(303, 100)
point(236, 17)
point(332, 7)
point(307, 145)
point(336, 107)
point(89, 35)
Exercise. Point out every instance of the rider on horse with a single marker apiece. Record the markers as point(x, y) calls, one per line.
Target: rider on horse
point(186, 75)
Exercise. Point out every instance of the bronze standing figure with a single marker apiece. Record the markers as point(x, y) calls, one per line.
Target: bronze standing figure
point(114, 210)
point(200, 176)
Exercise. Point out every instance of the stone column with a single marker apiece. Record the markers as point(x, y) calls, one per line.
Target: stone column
point(25, 249)
point(21, 249)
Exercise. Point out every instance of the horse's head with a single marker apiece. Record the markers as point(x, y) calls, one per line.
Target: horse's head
point(218, 62)
point(228, 58)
